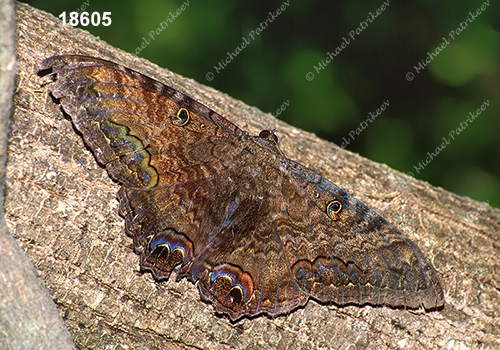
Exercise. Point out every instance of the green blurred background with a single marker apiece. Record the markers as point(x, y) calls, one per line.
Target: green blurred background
point(371, 69)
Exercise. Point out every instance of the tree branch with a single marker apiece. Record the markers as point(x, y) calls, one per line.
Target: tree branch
point(28, 317)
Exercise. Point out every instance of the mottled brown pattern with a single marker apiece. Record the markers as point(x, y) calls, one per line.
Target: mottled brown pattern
point(239, 217)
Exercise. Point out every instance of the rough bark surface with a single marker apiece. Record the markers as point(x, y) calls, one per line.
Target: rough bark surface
point(61, 207)
point(28, 317)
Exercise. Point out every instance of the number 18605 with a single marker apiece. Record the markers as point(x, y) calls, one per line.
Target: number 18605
point(85, 19)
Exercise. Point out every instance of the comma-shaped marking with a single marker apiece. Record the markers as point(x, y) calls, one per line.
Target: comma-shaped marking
point(181, 118)
point(333, 209)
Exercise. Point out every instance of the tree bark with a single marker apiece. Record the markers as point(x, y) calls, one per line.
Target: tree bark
point(60, 205)
point(28, 316)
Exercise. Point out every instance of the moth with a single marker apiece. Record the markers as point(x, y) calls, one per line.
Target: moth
point(257, 231)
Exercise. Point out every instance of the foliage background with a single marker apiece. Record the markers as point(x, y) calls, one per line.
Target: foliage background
point(370, 70)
